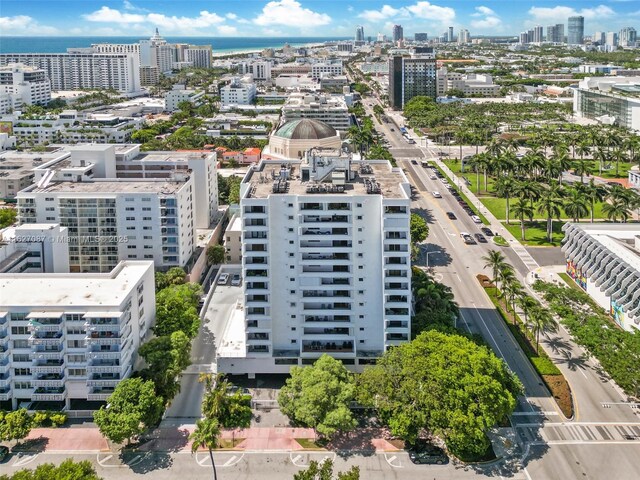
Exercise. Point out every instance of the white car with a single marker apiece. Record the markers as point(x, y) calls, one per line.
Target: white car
point(433, 177)
point(223, 279)
point(436, 194)
point(236, 279)
point(476, 219)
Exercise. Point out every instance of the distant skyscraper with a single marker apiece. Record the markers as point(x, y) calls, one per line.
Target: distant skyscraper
point(524, 38)
point(628, 37)
point(575, 31)
point(464, 36)
point(450, 35)
point(599, 37)
point(538, 34)
point(359, 33)
point(381, 37)
point(398, 33)
point(420, 37)
point(611, 39)
point(555, 33)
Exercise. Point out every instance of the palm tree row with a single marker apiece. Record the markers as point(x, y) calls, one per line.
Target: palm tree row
point(536, 181)
point(536, 318)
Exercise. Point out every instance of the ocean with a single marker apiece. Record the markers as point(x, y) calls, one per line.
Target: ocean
point(219, 44)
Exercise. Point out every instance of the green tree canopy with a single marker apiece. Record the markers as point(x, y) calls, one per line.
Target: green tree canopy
point(176, 309)
point(215, 254)
point(67, 470)
point(318, 396)
point(131, 409)
point(15, 425)
point(7, 216)
point(324, 471)
point(442, 384)
point(419, 228)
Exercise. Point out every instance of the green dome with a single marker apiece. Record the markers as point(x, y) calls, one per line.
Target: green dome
point(305, 129)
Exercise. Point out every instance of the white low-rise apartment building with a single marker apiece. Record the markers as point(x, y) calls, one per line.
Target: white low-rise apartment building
point(179, 94)
point(17, 168)
point(609, 100)
point(241, 91)
point(604, 260)
point(469, 84)
point(329, 109)
point(326, 263)
point(34, 248)
point(330, 67)
point(72, 337)
point(84, 69)
point(23, 85)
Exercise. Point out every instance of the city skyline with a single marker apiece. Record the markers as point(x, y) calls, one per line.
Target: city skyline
point(303, 18)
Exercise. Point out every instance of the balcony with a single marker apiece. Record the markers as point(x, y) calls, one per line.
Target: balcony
point(335, 281)
point(111, 354)
point(103, 380)
point(327, 268)
point(41, 353)
point(104, 338)
point(46, 338)
point(326, 219)
point(327, 318)
point(325, 294)
point(316, 346)
point(327, 331)
point(325, 256)
point(258, 348)
point(45, 325)
point(324, 231)
point(314, 244)
point(397, 324)
point(43, 394)
point(258, 336)
point(5, 394)
point(402, 337)
point(99, 393)
point(44, 366)
point(49, 380)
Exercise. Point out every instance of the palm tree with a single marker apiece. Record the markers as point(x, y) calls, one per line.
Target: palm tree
point(521, 210)
point(582, 167)
point(541, 320)
point(575, 204)
point(616, 209)
point(506, 274)
point(496, 261)
point(594, 192)
point(506, 187)
point(512, 290)
point(550, 204)
point(621, 156)
point(206, 434)
point(527, 304)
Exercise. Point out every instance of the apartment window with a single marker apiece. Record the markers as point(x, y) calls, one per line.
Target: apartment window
point(291, 254)
point(130, 219)
point(76, 358)
point(358, 205)
point(21, 372)
point(290, 242)
point(146, 199)
point(131, 228)
point(21, 357)
point(146, 209)
point(49, 199)
point(293, 329)
point(129, 209)
point(75, 331)
point(146, 237)
point(360, 267)
point(361, 341)
point(360, 316)
point(360, 229)
point(359, 217)
point(361, 292)
point(50, 219)
point(293, 304)
point(132, 256)
point(146, 219)
point(148, 247)
point(75, 343)
point(362, 329)
point(131, 247)
point(360, 255)
point(128, 199)
point(19, 331)
point(293, 316)
point(294, 341)
point(361, 304)
point(50, 209)
point(292, 279)
point(359, 242)
point(148, 256)
point(290, 230)
point(22, 385)
point(291, 205)
point(77, 372)
point(146, 228)
point(20, 344)
point(292, 292)
point(292, 267)
point(290, 217)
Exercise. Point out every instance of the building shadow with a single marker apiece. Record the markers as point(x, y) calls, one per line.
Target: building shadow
point(31, 446)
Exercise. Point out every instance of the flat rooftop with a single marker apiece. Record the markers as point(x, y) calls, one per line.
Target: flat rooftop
point(618, 238)
point(58, 291)
point(15, 165)
point(113, 186)
point(158, 157)
point(388, 178)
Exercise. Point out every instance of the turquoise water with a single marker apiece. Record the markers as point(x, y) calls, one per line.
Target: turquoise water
point(219, 44)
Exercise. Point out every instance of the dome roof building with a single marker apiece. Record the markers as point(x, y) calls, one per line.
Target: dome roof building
point(293, 138)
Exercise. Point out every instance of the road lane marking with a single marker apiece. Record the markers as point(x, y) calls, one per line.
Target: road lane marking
point(391, 460)
point(24, 460)
point(230, 461)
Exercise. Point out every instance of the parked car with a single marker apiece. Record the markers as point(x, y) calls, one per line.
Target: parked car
point(476, 219)
point(436, 194)
point(424, 453)
point(414, 162)
point(223, 279)
point(487, 231)
point(480, 238)
point(452, 215)
point(468, 239)
point(432, 177)
point(4, 452)
point(236, 279)
point(468, 210)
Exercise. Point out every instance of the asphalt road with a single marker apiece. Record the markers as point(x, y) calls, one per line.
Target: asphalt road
point(185, 408)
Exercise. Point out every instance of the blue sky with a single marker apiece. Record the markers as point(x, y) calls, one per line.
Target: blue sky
point(302, 17)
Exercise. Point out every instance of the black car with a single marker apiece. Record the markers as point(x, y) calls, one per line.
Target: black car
point(469, 211)
point(424, 453)
point(452, 215)
point(415, 162)
point(487, 231)
point(480, 238)
point(4, 452)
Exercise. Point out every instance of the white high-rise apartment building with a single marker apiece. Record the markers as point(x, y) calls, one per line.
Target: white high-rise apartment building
point(240, 91)
point(198, 56)
point(75, 71)
point(611, 39)
point(464, 36)
point(72, 337)
point(538, 34)
point(156, 52)
point(261, 70)
point(326, 262)
point(628, 37)
point(136, 207)
point(25, 85)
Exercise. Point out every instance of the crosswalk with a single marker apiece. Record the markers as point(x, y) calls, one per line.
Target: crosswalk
point(575, 432)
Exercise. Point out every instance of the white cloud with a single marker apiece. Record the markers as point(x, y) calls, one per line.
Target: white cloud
point(227, 30)
point(429, 11)
point(24, 25)
point(482, 11)
point(173, 24)
point(562, 12)
point(291, 13)
point(384, 13)
point(110, 15)
point(231, 16)
point(132, 8)
point(486, 19)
